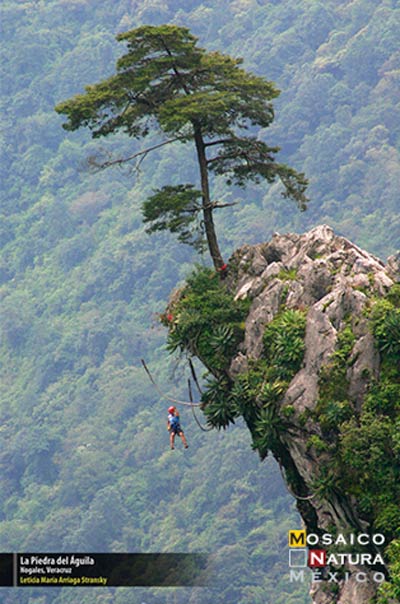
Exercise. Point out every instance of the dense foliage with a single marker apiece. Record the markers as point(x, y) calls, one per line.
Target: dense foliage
point(362, 444)
point(256, 392)
point(205, 321)
point(83, 440)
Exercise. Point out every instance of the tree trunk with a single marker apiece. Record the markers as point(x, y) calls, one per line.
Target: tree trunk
point(207, 209)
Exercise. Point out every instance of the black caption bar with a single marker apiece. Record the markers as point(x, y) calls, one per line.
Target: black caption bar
point(103, 570)
point(6, 570)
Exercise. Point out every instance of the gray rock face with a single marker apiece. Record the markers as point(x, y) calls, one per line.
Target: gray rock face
point(334, 280)
point(393, 265)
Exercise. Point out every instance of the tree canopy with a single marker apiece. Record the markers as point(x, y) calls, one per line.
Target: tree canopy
point(167, 81)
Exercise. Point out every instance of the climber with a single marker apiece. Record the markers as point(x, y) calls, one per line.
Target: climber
point(174, 427)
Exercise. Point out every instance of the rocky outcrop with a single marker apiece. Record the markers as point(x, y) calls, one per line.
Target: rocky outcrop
point(335, 281)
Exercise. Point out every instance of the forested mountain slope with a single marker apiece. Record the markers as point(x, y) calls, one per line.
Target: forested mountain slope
point(82, 431)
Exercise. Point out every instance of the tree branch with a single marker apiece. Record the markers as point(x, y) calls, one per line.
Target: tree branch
point(233, 155)
point(122, 160)
point(216, 204)
point(174, 67)
point(221, 141)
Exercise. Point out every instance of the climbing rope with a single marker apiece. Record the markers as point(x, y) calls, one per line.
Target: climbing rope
point(166, 396)
point(177, 401)
point(194, 376)
point(194, 414)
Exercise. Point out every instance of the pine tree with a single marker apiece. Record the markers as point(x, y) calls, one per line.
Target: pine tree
point(166, 80)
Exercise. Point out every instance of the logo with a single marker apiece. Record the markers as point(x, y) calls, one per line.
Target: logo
point(297, 558)
point(297, 539)
point(305, 556)
point(316, 558)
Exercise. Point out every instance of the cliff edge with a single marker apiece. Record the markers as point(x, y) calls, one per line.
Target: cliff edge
point(302, 339)
point(336, 283)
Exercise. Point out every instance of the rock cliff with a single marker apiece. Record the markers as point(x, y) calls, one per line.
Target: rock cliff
point(334, 281)
point(304, 344)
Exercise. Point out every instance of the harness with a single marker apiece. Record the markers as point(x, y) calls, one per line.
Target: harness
point(174, 424)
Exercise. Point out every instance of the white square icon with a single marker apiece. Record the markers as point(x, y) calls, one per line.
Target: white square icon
point(297, 558)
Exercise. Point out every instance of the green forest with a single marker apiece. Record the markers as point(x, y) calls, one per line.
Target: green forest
point(84, 456)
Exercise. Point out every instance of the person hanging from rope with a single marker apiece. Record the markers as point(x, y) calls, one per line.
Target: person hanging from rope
point(174, 427)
